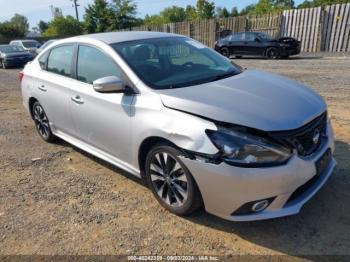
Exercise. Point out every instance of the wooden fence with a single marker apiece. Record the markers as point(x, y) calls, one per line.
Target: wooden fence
point(319, 29)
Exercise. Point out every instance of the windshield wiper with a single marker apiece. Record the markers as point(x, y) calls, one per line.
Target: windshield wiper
point(224, 75)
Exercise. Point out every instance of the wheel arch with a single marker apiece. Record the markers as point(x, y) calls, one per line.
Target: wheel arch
point(31, 102)
point(146, 146)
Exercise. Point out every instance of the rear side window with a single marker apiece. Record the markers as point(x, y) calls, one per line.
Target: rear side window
point(43, 60)
point(60, 60)
point(93, 64)
point(237, 37)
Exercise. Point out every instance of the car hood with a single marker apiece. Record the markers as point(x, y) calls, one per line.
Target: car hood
point(253, 99)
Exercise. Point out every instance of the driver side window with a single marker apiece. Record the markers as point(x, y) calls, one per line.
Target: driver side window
point(93, 64)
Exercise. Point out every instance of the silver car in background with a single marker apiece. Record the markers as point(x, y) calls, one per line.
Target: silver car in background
point(245, 144)
point(29, 45)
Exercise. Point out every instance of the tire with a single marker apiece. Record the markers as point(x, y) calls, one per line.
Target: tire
point(2, 63)
point(42, 123)
point(238, 56)
point(272, 53)
point(170, 181)
point(225, 52)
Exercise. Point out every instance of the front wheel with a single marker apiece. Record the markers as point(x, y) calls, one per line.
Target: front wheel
point(2, 64)
point(171, 181)
point(42, 123)
point(225, 52)
point(272, 53)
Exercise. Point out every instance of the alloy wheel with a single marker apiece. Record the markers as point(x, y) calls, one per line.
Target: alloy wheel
point(169, 179)
point(41, 121)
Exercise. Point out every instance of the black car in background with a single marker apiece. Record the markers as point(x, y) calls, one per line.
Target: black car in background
point(257, 43)
point(12, 55)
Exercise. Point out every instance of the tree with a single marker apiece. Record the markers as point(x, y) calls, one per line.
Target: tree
point(124, 14)
point(222, 12)
point(21, 22)
point(234, 11)
point(205, 9)
point(191, 13)
point(316, 3)
point(98, 17)
point(8, 30)
point(283, 4)
point(168, 15)
point(64, 26)
point(248, 9)
point(42, 26)
point(173, 14)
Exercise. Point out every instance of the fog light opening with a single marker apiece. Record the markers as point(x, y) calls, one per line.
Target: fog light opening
point(260, 205)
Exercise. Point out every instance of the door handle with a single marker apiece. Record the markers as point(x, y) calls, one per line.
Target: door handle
point(42, 88)
point(77, 99)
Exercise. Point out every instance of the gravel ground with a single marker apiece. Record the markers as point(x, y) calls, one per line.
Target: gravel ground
point(56, 199)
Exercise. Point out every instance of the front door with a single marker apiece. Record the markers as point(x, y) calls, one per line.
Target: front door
point(102, 120)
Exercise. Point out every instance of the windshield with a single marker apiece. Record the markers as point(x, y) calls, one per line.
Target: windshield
point(265, 36)
point(11, 49)
point(30, 44)
point(174, 62)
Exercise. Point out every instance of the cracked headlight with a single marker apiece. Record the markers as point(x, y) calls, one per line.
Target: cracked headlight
point(242, 149)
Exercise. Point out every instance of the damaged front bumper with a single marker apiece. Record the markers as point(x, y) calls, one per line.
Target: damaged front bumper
point(226, 188)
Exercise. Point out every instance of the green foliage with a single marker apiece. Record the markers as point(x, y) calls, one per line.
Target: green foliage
point(191, 13)
point(222, 12)
point(98, 17)
point(205, 9)
point(17, 27)
point(248, 9)
point(267, 6)
point(168, 15)
point(64, 26)
point(101, 16)
point(234, 12)
point(8, 30)
point(124, 14)
point(21, 23)
point(42, 25)
point(316, 3)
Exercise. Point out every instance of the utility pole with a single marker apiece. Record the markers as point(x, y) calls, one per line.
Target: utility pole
point(75, 5)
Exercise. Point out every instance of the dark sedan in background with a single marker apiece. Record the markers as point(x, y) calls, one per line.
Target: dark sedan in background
point(257, 43)
point(12, 55)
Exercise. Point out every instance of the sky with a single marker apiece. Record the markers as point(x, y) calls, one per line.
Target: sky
point(36, 10)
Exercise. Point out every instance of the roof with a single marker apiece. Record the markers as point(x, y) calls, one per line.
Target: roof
point(117, 37)
point(24, 40)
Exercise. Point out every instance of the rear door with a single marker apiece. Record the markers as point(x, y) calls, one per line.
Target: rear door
point(101, 119)
point(236, 44)
point(53, 88)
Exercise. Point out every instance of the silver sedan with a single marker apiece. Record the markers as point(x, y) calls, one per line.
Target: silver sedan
point(202, 131)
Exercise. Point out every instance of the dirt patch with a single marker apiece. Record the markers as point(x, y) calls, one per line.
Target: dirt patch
point(55, 199)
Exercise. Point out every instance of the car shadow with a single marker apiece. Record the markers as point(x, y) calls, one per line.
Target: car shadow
point(102, 162)
point(298, 57)
point(322, 226)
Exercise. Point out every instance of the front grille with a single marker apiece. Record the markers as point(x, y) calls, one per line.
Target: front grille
point(307, 139)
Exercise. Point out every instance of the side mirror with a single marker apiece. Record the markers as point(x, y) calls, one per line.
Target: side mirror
point(257, 40)
point(109, 84)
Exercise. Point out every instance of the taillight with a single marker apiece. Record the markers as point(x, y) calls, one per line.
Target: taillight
point(20, 76)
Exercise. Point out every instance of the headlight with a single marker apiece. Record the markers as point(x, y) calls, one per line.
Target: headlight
point(3, 55)
point(242, 149)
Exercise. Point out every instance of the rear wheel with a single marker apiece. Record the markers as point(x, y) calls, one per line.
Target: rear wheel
point(170, 180)
point(225, 52)
point(272, 53)
point(42, 123)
